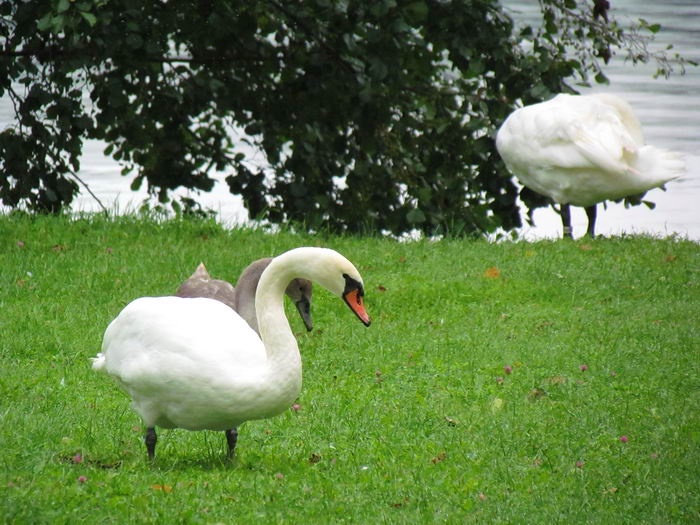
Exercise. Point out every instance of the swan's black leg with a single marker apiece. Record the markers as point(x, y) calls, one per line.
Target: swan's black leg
point(231, 438)
point(591, 213)
point(565, 213)
point(150, 440)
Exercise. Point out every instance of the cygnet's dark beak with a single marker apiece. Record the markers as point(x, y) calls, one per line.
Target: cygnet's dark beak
point(304, 307)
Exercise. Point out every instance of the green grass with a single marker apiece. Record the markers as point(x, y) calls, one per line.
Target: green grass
point(406, 421)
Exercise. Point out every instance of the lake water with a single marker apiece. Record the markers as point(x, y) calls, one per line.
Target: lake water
point(669, 111)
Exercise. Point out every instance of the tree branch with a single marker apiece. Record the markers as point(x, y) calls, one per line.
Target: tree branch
point(81, 181)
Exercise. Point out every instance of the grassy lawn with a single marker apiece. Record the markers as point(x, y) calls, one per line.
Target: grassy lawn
point(549, 382)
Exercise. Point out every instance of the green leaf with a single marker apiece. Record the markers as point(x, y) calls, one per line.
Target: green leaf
point(415, 216)
point(44, 22)
point(378, 69)
point(601, 78)
point(63, 6)
point(58, 23)
point(418, 11)
point(89, 18)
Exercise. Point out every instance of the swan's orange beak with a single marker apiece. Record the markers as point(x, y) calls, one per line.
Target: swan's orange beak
point(354, 300)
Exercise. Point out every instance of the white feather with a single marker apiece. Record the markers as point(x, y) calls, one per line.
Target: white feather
point(582, 150)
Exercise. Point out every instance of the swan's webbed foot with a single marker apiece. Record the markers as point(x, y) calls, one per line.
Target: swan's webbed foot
point(231, 439)
point(151, 438)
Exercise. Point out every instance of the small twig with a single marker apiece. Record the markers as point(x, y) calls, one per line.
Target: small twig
point(81, 181)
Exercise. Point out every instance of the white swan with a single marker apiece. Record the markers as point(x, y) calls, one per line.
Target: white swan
point(242, 297)
point(196, 364)
point(582, 150)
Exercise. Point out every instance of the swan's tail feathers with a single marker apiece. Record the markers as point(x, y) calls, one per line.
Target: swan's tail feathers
point(99, 363)
point(201, 273)
point(658, 166)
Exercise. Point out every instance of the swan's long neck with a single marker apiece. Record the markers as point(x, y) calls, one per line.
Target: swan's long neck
point(284, 361)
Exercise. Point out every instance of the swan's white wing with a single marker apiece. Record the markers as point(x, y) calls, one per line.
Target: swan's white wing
point(574, 149)
point(165, 339)
point(177, 357)
point(599, 133)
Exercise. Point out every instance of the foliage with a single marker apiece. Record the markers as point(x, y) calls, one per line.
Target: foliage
point(415, 419)
point(347, 116)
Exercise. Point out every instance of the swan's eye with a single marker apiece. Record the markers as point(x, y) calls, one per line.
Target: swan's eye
point(351, 285)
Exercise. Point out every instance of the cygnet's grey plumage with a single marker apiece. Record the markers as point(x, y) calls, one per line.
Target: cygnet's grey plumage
point(241, 298)
point(200, 284)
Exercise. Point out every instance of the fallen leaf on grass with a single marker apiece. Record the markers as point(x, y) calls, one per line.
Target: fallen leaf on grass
point(451, 422)
point(671, 258)
point(381, 288)
point(497, 404)
point(314, 458)
point(536, 394)
point(164, 488)
point(440, 457)
point(492, 273)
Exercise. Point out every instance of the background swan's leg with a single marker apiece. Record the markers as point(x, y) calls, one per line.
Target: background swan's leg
point(591, 213)
point(565, 213)
point(151, 440)
point(231, 438)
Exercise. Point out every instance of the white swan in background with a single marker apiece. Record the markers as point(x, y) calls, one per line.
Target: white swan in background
point(196, 364)
point(242, 297)
point(582, 150)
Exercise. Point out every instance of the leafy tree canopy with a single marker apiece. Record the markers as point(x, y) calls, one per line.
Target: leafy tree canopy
point(369, 115)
